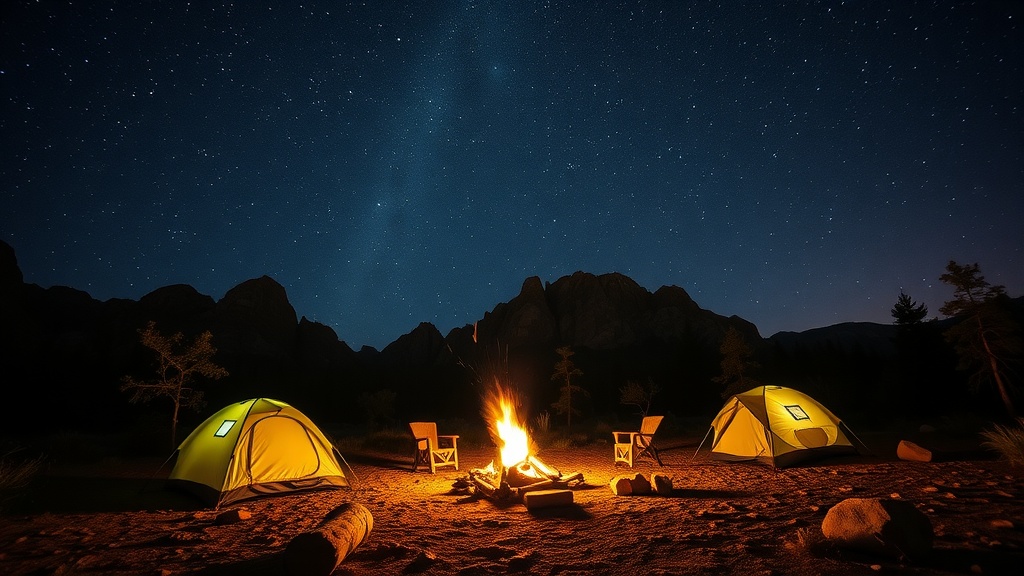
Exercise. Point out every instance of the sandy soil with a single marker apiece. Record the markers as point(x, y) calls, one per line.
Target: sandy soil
point(115, 518)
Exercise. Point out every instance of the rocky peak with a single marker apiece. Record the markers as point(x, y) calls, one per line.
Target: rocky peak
point(421, 347)
point(599, 312)
point(256, 317)
point(524, 321)
point(10, 272)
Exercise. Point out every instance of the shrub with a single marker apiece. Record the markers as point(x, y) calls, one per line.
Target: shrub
point(16, 474)
point(389, 440)
point(1008, 441)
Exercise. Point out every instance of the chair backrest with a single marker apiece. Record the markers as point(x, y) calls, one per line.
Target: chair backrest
point(425, 430)
point(650, 424)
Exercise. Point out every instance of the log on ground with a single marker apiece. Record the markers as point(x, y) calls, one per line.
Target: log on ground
point(321, 551)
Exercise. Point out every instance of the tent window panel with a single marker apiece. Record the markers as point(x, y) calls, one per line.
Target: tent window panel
point(224, 428)
point(797, 412)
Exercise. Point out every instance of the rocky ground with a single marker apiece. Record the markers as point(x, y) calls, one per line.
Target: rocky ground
point(114, 517)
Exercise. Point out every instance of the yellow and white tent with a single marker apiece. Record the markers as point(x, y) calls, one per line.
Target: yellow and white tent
point(778, 426)
point(254, 448)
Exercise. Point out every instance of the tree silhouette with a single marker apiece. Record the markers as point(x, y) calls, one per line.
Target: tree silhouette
point(923, 359)
point(565, 370)
point(906, 312)
point(179, 363)
point(636, 394)
point(987, 337)
point(736, 363)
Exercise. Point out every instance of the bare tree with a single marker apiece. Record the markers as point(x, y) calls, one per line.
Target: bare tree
point(636, 394)
point(986, 338)
point(736, 363)
point(179, 364)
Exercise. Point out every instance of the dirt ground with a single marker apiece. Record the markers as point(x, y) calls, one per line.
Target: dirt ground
point(116, 518)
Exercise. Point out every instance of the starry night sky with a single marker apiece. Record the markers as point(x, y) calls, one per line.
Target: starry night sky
point(389, 163)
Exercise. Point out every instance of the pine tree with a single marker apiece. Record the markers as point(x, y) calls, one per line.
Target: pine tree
point(986, 338)
point(564, 372)
point(906, 312)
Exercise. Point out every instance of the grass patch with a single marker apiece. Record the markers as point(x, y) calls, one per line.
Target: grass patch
point(16, 473)
point(1008, 441)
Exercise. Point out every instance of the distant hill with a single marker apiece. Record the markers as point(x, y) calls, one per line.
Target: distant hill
point(68, 351)
point(873, 338)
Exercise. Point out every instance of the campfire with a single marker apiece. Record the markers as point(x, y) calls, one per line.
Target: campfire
point(518, 471)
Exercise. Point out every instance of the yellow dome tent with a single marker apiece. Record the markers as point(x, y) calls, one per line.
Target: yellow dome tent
point(254, 448)
point(778, 426)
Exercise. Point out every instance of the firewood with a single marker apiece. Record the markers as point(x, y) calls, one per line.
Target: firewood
point(321, 551)
point(547, 498)
point(621, 486)
point(907, 450)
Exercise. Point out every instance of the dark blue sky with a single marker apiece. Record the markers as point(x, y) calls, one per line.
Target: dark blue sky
point(397, 162)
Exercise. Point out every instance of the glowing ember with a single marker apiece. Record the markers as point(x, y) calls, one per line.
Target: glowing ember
point(509, 434)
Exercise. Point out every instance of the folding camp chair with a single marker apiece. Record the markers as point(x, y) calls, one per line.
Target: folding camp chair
point(629, 446)
point(429, 449)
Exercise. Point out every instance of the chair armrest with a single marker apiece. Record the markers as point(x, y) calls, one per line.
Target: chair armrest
point(451, 438)
point(620, 435)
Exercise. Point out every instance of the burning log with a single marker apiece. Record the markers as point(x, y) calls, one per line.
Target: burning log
point(528, 476)
point(485, 487)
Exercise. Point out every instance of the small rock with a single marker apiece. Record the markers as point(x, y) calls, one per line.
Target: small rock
point(1001, 524)
point(662, 484)
point(641, 485)
point(621, 486)
point(423, 561)
point(232, 516)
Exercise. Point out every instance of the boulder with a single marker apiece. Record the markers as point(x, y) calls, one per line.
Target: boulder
point(893, 528)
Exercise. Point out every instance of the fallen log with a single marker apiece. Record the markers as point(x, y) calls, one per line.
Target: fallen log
point(321, 551)
point(547, 498)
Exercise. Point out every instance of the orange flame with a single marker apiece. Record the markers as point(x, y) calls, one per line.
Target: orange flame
point(509, 433)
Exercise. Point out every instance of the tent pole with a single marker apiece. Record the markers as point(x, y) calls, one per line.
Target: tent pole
point(701, 443)
point(857, 438)
point(348, 469)
point(157, 471)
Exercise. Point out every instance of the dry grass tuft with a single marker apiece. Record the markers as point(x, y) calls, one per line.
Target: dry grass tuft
point(1008, 441)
